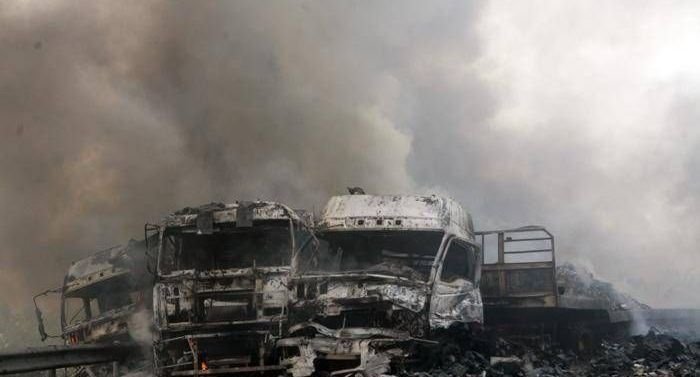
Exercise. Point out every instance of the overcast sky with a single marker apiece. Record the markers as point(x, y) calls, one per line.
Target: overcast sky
point(581, 116)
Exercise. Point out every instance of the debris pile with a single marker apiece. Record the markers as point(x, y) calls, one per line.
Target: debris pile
point(645, 355)
point(575, 280)
point(648, 355)
point(503, 358)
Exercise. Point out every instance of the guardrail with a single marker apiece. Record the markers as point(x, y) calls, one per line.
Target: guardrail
point(55, 357)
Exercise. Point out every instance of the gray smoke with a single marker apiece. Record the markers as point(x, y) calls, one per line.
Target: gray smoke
point(581, 118)
point(594, 134)
point(129, 111)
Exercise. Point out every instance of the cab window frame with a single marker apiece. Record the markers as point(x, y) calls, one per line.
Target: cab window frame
point(471, 256)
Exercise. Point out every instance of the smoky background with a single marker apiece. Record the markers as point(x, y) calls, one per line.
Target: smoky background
point(581, 118)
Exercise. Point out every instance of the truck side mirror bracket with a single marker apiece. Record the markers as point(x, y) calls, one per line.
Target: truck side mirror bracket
point(40, 316)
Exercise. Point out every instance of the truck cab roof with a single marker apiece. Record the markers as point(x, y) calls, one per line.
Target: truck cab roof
point(90, 272)
point(240, 213)
point(396, 212)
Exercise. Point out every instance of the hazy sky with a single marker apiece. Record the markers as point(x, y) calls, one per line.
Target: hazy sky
point(578, 115)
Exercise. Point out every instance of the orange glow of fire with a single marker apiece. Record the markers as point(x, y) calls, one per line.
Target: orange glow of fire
point(203, 365)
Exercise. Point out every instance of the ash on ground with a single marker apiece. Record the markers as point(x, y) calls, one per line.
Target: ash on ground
point(661, 351)
point(652, 354)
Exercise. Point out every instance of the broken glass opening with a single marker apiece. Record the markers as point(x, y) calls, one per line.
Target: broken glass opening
point(263, 245)
point(398, 253)
point(94, 300)
point(460, 262)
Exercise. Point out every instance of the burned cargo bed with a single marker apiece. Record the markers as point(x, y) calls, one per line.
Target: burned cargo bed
point(526, 293)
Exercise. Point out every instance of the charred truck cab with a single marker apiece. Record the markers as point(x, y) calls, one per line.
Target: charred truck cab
point(220, 298)
point(106, 297)
point(389, 274)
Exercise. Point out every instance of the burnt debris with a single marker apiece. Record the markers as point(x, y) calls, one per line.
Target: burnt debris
point(574, 280)
point(378, 285)
point(652, 354)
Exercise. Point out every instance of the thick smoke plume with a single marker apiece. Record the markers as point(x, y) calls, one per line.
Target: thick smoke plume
point(118, 114)
point(580, 118)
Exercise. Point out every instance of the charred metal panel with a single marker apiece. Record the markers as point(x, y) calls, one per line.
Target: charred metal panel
point(365, 351)
point(455, 305)
point(224, 297)
point(528, 281)
point(228, 213)
point(102, 266)
point(489, 283)
point(396, 212)
point(333, 294)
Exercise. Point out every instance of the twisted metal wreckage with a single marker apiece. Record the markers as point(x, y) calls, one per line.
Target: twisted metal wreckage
point(389, 272)
point(256, 287)
point(221, 296)
point(362, 290)
point(105, 306)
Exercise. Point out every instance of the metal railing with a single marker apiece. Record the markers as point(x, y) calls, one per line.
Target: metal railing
point(518, 267)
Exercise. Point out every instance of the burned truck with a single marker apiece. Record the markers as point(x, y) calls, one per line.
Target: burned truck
point(106, 299)
point(221, 292)
point(389, 275)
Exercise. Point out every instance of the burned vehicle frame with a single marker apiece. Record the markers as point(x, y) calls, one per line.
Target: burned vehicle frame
point(106, 298)
point(389, 276)
point(102, 293)
point(220, 297)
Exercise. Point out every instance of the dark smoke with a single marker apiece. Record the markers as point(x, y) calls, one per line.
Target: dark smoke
point(128, 112)
point(114, 114)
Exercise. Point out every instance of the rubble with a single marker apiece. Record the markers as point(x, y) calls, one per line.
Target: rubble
point(652, 354)
point(648, 355)
point(575, 280)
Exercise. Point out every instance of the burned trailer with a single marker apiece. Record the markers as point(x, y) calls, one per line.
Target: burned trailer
point(389, 275)
point(528, 296)
point(220, 298)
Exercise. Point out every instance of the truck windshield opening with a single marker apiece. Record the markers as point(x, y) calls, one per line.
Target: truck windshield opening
point(397, 253)
point(228, 248)
point(94, 300)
